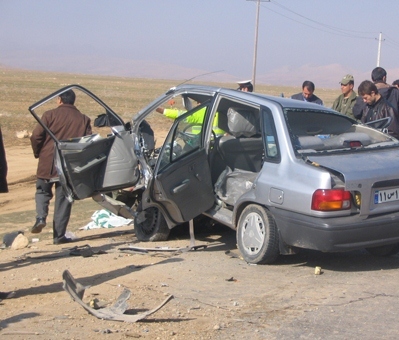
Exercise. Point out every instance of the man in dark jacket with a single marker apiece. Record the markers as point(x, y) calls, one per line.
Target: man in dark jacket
point(3, 189)
point(377, 107)
point(66, 121)
point(389, 92)
point(307, 93)
point(3, 166)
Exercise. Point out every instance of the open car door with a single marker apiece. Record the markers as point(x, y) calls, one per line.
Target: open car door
point(182, 181)
point(92, 164)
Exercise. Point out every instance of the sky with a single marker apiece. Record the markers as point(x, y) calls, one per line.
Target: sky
point(317, 40)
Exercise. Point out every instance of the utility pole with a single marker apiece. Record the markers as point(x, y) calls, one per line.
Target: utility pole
point(256, 39)
point(379, 49)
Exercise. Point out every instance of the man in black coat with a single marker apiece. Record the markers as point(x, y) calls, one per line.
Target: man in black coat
point(389, 92)
point(307, 93)
point(377, 107)
point(3, 166)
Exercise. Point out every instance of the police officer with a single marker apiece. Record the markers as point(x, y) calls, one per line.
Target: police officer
point(245, 85)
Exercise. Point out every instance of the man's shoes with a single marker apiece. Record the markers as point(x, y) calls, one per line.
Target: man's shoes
point(39, 225)
point(62, 240)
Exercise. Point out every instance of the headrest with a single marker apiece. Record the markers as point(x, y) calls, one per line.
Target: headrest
point(243, 122)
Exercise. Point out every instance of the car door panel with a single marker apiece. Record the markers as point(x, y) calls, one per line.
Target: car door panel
point(185, 187)
point(182, 181)
point(92, 164)
point(103, 164)
point(121, 168)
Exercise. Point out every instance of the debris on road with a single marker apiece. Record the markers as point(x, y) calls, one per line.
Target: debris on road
point(115, 312)
point(85, 251)
point(317, 270)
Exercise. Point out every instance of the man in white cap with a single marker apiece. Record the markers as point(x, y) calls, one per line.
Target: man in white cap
point(245, 85)
point(345, 102)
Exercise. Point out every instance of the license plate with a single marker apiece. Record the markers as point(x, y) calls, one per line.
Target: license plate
point(383, 196)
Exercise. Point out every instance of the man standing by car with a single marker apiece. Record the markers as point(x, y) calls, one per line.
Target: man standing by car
point(377, 107)
point(66, 121)
point(345, 102)
point(3, 189)
point(307, 95)
point(3, 166)
point(390, 93)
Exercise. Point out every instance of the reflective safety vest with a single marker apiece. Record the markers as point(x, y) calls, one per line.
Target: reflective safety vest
point(196, 118)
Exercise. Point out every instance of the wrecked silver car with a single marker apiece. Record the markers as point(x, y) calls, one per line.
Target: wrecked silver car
point(285, 174)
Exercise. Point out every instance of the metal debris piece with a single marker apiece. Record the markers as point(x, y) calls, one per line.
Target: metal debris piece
point(85, 251)
point(115, 312)
point(140, 250)
point(192, 246)
point(192, 237)
point(232, 279)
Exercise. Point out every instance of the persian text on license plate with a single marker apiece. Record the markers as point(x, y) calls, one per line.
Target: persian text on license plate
point(389, 195)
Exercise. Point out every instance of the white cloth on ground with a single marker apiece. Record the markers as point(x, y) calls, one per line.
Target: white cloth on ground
point(106, 219)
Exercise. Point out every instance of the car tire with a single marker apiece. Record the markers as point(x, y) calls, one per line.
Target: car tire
point(388, 250)
point(257, 235)
point(153, 228)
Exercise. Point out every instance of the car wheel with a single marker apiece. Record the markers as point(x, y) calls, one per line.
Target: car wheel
point(388, 250)
point(257, 235)
point(153, 226)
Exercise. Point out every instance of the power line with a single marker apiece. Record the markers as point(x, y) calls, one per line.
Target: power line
point(320, 27)
point(336, 30)
point(393, 42)
point(324, 27)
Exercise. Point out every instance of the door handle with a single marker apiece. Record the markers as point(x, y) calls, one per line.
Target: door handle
point(181, 187)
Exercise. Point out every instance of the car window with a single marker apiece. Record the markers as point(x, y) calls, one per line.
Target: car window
point(320, 131)
point(163, 116)
point(102, 117)
point(272, 153)
point(185, 137)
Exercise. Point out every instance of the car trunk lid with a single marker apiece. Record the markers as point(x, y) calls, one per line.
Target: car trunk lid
point(374, 174)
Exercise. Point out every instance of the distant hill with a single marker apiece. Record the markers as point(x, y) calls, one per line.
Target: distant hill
point(327, 76)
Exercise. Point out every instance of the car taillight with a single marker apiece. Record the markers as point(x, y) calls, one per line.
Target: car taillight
point(353, 144)
point(331, 199)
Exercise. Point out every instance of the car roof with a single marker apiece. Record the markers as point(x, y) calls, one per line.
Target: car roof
point(262, 99)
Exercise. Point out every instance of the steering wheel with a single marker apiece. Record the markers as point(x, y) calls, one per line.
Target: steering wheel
point(186, 135)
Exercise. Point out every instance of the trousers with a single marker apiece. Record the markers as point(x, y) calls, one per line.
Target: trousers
point(62, 207)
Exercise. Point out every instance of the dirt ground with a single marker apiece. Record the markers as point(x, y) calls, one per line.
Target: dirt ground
point(216, 294)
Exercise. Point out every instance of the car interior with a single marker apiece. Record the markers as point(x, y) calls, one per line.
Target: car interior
point(314, 131)
point(236, 157)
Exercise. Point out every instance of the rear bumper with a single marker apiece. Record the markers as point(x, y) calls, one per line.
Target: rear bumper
point(336, 234)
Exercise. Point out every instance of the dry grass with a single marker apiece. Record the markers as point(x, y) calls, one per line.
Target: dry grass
point(126, 96)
